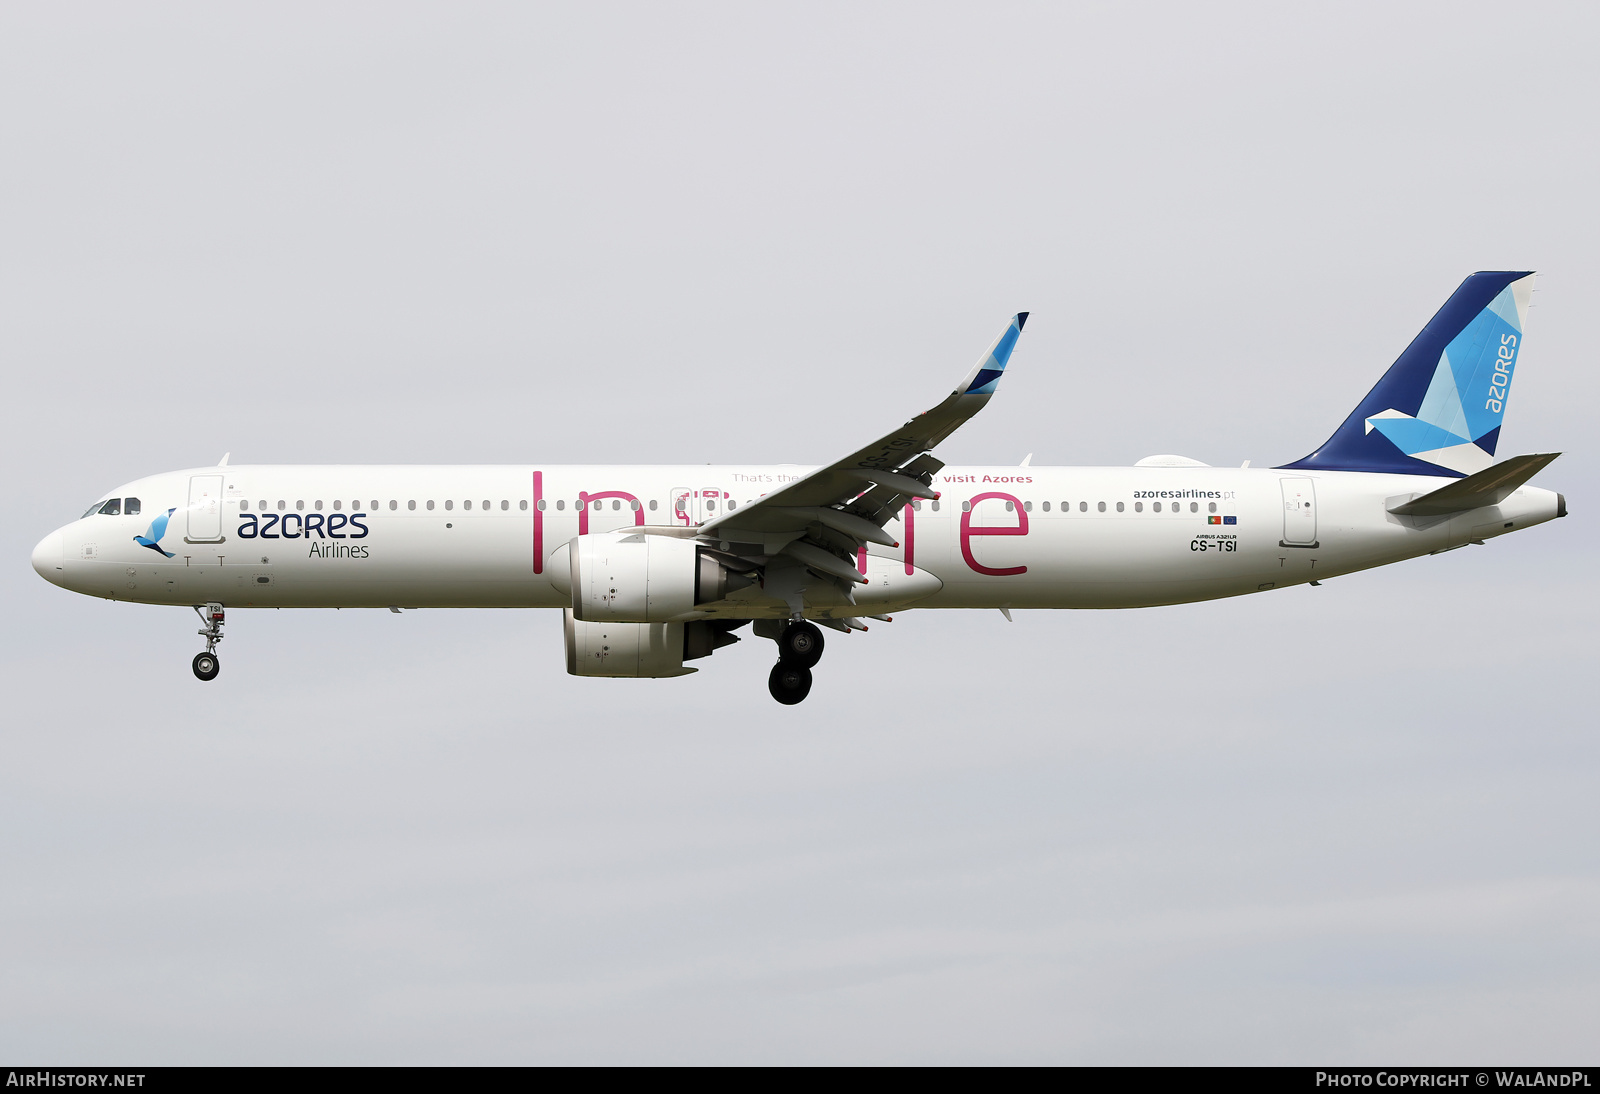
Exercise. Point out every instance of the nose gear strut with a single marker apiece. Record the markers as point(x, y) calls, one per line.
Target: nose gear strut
point(206, 665)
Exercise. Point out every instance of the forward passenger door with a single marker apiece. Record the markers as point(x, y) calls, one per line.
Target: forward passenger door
point(205, 509)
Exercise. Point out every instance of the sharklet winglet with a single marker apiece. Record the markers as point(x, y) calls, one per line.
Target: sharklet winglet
point(986, 374)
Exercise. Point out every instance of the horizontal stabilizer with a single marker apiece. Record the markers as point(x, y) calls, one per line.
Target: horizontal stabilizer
point(1490, 486)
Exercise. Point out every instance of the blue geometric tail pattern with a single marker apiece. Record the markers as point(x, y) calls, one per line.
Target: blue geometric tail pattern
point(1438, 409)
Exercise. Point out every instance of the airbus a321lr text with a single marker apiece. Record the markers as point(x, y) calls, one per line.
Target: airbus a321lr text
point(654, 567)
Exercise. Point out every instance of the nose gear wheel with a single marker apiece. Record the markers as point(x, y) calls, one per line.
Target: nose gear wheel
point(206, 666)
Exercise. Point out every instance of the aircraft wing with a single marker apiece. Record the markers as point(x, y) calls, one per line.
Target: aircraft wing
point(822, 519)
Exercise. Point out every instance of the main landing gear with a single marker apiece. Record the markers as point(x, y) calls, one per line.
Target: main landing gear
point(206, 665)
point(799, 648)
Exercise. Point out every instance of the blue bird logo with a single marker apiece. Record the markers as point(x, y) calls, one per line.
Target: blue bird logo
point(157, 529)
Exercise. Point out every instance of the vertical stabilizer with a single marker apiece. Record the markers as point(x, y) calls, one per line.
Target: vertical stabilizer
point(1437, 411)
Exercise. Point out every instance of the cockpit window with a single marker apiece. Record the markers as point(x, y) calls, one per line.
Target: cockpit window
point(91, 511)
point(112, 508)
point(130, 507)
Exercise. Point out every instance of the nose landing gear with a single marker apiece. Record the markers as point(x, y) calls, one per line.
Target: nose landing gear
point(799, 648)
point(206, 666)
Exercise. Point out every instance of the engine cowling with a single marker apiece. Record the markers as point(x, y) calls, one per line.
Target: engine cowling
point(624, 649)
point(634, 577)
point(642, 649)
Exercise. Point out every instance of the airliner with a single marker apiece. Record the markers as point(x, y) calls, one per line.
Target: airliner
point(653, 567)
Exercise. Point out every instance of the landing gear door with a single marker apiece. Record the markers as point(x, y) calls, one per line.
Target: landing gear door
point(205, 509)
point(1299, 513)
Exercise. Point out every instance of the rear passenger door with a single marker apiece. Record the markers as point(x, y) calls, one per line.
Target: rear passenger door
point(1299, 513)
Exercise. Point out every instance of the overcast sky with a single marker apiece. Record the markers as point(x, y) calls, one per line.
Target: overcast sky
point(1354, 823)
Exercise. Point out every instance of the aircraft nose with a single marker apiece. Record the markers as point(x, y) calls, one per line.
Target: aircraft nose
point(48, 558)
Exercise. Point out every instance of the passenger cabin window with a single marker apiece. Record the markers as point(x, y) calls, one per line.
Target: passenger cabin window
point(1046, 506)
point(935, 507)
point(731, 505)
point(652, 505)
point(112, 508)
point(1027, 507)
point(1102, 507)
point(393, 505)
point(300, 505)
point(337, 505)
point(616, 505)
point(1010, 507)
point(447, 505)
point(317, 505)
point(1212, 507)
point(244, 504)
point(1119, 507)
point(412, 504)
point(1156, 506)
point(282, 505)
point(1138, 506)
point(634, 505)
point(1083, 507)
point(561, 503)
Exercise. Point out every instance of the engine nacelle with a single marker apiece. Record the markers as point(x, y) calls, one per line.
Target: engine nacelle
point(638, 578)
point(624, 649)
point(642, 649)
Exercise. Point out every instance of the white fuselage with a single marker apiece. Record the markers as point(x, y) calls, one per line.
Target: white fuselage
point(1013, 537)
